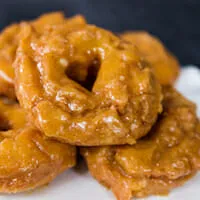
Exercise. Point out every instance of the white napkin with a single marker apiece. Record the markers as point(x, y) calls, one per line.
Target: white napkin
point(189, 84)
point(79, 185)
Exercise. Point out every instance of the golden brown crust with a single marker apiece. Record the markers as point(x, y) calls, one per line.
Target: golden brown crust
point(53, 74)
point(9, 40)
point(166, 66)
point(28, 159)
point(8, 44)
point(164, 159)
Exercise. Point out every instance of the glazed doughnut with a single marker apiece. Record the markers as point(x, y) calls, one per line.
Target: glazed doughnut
point(9, 40)
point(166, 66)
point(85, 86)
point(28, 159)
point(162, 160)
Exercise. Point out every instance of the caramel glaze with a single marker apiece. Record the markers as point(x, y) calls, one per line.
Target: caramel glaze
point(9, 41)
point(164, 64)
point(27, 158)
point(85, 86)
point(162, 160)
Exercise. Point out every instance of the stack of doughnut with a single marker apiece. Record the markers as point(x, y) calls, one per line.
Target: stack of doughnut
point(68, 85)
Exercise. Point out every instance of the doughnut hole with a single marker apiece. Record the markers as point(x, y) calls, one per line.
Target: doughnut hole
point(84, 75)
point(4, 125)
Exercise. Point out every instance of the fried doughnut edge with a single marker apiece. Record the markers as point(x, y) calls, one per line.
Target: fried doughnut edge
point(28, 160)
point(161, 161)
point(9, 40)
point(165, 65)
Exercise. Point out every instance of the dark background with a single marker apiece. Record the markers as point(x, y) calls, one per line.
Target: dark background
point(175, 22)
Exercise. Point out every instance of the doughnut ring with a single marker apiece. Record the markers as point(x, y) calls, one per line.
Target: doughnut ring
point(162, 160)
point(166, 67)
point(85, 86)
point(9, 40)
point(28, 159)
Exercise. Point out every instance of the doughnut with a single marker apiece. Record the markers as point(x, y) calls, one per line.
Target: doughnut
point(9, 40)
point(85, 86)
point(166, 67)
point(164, 159)
point(27, 158)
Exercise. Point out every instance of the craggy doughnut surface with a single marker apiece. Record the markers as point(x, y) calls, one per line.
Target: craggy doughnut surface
point(166, 66)
point(27, 158)
point(164, 159)
point(9, 40)
point(85, 86)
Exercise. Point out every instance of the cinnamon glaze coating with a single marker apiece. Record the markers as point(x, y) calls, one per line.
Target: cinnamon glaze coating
point(85, 86)
point(162, 160)
point(165, 65)
point(27, 158)
point(9, 40)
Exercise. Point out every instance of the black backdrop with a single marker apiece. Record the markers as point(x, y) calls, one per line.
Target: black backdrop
point(176, 22)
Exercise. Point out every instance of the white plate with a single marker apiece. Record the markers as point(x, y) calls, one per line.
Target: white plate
point(77, 184)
